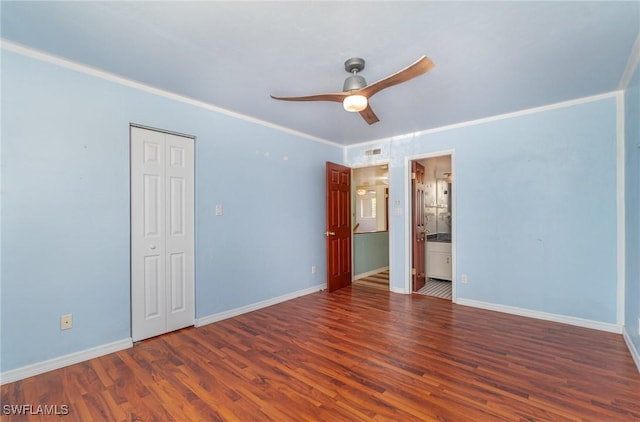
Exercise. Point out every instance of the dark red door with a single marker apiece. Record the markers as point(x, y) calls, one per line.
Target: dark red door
point(338, 226)
point(419, 226)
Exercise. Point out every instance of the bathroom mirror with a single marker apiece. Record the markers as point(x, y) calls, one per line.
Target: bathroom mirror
point(438, 197)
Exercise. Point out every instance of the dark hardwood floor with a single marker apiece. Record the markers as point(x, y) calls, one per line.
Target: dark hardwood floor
point(356, 354)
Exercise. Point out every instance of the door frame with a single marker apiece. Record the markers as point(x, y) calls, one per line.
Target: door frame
point(353, 207)
point(408, 220)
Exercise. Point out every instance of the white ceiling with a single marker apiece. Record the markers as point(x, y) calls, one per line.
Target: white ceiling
point(491, 57)
point(371, 175)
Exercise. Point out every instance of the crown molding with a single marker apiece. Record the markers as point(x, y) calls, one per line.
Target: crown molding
point(632, 64)
point(92, 71)
point(554, 106)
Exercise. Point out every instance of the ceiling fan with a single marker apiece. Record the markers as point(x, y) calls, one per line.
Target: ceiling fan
point(356, 93)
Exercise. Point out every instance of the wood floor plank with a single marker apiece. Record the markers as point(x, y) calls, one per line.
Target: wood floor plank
point(352, 355)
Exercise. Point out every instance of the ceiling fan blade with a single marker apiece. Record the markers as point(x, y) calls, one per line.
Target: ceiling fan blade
point(336, 97)
point(423, 65)
point(368, 115)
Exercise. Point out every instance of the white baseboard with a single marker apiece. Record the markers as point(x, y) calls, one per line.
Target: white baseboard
point(398, 290)
point(368, 273)
point(635, 354)
point(580, 322)
point(258, 305)
point(94, 352)
point(62, 361)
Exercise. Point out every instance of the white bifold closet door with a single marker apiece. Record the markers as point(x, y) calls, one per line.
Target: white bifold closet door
point(162, 238)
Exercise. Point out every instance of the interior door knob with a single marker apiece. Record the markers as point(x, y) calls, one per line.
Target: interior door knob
point(153, 246)
point(329, 233)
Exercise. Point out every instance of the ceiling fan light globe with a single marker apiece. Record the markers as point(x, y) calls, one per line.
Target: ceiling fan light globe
point(355, 103)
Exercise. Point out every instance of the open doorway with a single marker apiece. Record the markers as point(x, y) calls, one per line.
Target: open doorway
point(432, 226)
point(370, 222)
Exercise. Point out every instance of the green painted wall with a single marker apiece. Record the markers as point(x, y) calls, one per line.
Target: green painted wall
point(371, 251)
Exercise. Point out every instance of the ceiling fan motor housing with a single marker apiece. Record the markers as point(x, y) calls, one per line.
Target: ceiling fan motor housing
point(354, 65)
point(354, 82)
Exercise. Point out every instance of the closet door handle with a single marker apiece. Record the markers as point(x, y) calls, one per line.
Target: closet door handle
point(152, 246)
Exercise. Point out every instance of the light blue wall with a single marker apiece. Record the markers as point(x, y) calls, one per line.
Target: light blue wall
point(632, 211)
point(370, 252)
point(536, 208)
point(65, 208)
point(547, 178)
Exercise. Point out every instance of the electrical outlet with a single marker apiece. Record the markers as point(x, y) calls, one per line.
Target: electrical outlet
point(218, 210)
point(464, 279)
point(66, 322)
point(313, 269)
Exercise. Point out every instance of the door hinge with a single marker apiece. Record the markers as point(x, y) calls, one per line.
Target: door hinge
point(413, 271)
